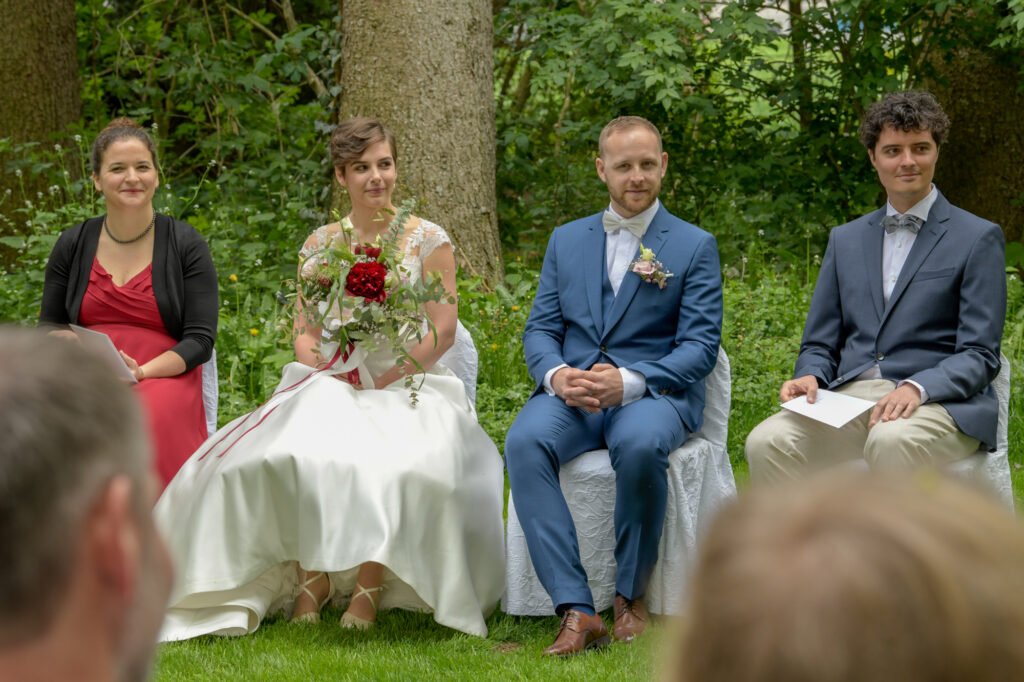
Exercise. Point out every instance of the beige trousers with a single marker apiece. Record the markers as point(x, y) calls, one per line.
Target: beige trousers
point(788, 445)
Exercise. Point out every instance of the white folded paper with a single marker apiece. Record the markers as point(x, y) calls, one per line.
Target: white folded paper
point(829, 407)
point(100, 344)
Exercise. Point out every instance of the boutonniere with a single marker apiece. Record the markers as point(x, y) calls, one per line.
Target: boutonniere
point(650, 269)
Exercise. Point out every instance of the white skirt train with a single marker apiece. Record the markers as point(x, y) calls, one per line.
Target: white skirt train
point(330, 477)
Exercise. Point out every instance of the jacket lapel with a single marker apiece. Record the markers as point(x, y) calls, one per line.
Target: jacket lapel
point(873, 260)
point(593, 267)
point(930, 234)
point(653, 239)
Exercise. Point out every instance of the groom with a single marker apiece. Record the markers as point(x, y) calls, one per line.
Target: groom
point(623, 330)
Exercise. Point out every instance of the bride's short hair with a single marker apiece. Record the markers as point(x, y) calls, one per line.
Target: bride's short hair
point(352, 137)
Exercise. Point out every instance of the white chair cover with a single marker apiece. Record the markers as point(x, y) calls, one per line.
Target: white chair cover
point(462, 359)
point(700, 481)
point(991, 470)
point(211, 392)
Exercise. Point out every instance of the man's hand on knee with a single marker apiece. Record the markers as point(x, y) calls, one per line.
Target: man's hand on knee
point(794, 388)
point(575, 388)
point(900, 403)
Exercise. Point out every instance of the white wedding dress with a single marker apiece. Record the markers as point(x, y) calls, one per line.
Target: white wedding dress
point(329, 477)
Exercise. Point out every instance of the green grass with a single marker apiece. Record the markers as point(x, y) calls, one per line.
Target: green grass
point(404, 646)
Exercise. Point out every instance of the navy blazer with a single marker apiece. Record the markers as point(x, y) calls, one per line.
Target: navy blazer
point(942, 326)
point(669, 335)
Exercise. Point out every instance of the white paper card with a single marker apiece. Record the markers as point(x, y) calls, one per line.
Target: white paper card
point(100, 344)
point(829, 407)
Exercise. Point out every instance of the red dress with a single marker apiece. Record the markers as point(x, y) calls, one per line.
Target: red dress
point(173, 405)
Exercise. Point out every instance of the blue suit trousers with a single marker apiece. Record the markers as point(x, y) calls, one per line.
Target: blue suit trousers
point(547, 434)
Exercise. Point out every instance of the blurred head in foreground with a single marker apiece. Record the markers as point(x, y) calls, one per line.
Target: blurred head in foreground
point(84, 577)
point(845, 578)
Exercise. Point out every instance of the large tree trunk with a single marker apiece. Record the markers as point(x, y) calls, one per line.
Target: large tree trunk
point(980, 166)
point(425, 69)
point(801, 74)
point(39, 89)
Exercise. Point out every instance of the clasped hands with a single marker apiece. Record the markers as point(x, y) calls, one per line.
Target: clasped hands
point(590, 390)
point(901, 402)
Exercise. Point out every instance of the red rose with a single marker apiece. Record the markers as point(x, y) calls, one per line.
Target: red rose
point(367, 250)
point(367, 280)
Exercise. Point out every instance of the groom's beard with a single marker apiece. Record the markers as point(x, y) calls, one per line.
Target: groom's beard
point(636, 200)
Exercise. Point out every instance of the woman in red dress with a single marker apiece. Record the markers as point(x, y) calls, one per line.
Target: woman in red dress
point(148, 282)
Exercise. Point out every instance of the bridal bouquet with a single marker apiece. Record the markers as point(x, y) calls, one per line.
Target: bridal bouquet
point(360, 295)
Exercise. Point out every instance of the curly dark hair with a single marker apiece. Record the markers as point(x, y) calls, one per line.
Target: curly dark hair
point(904, 111)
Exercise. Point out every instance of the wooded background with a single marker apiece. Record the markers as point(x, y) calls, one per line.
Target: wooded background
point(497, 106)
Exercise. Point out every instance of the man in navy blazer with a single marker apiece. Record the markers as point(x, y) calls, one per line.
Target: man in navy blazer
point(623, 330)
point(908, 311)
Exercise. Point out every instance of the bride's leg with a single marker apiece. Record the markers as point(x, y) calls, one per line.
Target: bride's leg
point(366, 597)
point(316, 590)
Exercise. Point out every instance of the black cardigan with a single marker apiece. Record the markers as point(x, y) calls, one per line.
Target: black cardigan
point(184, 283)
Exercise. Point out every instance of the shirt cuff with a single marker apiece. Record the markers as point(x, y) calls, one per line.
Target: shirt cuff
point(634, 385)
point(547, 378)
point(919, 387)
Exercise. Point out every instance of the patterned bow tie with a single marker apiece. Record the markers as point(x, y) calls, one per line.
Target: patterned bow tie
point(613, 223)
point(891, 223)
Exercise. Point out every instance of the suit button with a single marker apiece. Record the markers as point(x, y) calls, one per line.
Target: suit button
point(880, 357)
point(604, 349)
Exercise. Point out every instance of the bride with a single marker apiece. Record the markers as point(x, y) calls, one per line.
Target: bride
point(332, 490)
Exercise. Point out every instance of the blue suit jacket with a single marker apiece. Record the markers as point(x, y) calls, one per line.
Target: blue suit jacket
point(943, 323)
point(669, 335)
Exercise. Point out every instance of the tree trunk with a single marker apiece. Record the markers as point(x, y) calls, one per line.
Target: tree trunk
point(979, 165)
point(425, 69)
point(39, 85)
point(801, 74)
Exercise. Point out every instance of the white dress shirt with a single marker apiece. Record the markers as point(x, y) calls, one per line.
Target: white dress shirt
point(895, 249)
point(620, 249)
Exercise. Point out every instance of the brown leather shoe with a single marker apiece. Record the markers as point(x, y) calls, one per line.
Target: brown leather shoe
point(630, 618)
point(579, 631)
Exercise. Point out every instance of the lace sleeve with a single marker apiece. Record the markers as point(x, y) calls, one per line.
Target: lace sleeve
point(427, 237)
point(315, 242)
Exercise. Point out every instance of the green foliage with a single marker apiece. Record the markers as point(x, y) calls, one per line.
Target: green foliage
point(758, 108)
point(761, 330)
point(496, 320)
point(1011, 26)
point(218, 84)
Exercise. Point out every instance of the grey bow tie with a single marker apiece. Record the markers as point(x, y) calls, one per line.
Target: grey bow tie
point(891, 223)
point(613, 223)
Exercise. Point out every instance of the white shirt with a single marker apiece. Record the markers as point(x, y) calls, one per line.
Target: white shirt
point(895, 249)
point(620, 249)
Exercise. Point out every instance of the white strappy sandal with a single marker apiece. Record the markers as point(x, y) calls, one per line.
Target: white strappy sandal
point(353, 622)
point(314, 616)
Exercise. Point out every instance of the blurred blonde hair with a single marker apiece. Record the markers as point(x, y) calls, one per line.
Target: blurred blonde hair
point(844, 578)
